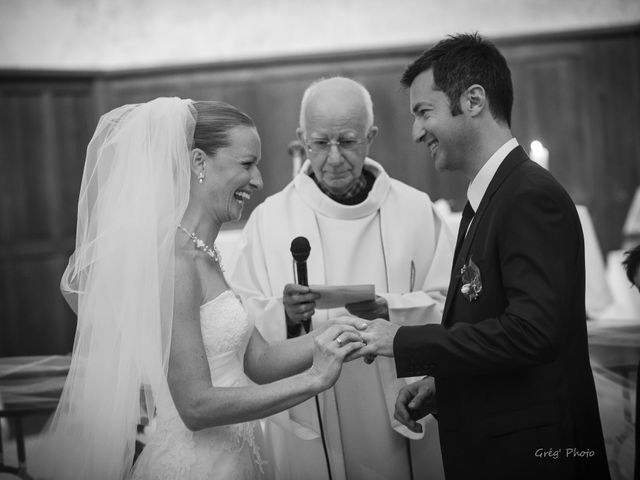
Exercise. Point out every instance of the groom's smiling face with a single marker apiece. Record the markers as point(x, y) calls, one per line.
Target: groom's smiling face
point(447, 136)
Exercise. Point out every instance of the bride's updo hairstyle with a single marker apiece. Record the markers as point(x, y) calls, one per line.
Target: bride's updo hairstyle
point(214, 121)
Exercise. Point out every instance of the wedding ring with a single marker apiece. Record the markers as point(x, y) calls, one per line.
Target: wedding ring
point(339, 341)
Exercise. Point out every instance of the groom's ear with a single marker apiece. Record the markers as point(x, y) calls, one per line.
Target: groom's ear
point(474, 100)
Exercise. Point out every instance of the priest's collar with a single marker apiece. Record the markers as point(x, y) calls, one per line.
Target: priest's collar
point(355, 194)
point(323, 204)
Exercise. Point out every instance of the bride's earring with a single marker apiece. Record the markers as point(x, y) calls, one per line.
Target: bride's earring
point(201, 177)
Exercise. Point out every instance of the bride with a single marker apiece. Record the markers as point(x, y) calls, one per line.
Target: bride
point(159, 330)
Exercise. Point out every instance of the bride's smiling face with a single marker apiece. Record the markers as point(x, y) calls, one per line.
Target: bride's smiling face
point(232, 174)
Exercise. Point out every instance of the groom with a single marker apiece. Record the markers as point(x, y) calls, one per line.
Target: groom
point(514, 389)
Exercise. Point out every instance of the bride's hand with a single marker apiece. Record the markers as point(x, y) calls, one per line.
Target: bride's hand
point(353, 321)
point(331, 346)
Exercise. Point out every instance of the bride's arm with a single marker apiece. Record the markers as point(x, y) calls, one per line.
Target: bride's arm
point(266, 362)
point(201, 404)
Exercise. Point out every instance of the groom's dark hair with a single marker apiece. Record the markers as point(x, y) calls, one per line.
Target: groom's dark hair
point(631, 263)
point(460, 61)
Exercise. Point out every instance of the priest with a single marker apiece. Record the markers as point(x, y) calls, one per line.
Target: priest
point(363, 227)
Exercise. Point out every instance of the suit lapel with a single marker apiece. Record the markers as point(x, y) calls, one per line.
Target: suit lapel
point(511, 161)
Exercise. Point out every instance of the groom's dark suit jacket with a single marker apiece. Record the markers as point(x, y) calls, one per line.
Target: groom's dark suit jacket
point(514, 387)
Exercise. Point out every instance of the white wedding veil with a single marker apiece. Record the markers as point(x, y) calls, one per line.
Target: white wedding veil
point(135, 189)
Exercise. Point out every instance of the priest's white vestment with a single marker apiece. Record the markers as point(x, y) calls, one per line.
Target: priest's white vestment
point(395, 240)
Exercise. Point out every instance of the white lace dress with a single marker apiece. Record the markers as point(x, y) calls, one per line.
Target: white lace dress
point(228, 452)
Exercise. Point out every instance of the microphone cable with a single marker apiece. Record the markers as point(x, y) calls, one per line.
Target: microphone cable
point(324, 442)
point(306, 328)
point(300, 250)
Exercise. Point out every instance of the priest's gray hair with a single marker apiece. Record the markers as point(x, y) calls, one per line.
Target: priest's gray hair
point(366, 97)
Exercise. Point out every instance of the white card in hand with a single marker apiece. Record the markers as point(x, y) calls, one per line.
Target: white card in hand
point(335, 296)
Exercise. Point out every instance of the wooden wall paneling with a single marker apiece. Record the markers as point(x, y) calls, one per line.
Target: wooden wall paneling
point(73, 118)
point(7, 149)
point(30, 213)
point(204, 83)
point(26, 213)
point(43, 162)
point(5, 205)
point(546, 98)
point(633, 125)
point(555, 115)
point(71, 122)
point(43, 324)
point(634, 100)
point(6, 308)
point(613, 101)
point(565, 98)
point(274, 107)
point(596, 86)
point(593, 124)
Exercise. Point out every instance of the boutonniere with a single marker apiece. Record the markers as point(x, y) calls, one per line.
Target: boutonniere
point(471, 281)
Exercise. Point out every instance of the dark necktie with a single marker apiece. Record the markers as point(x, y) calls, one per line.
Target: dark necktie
point(467, 215)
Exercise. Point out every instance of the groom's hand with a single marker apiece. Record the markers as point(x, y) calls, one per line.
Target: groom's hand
point(378, 338)
point(415, 401)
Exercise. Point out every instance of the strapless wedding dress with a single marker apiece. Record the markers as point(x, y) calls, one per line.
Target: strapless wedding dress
point(228, 452)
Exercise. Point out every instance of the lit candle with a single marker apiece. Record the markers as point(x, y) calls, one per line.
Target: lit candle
point(297, 164)
point(539, 154)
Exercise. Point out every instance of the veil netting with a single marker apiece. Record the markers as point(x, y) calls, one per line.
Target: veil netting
point(120, 281)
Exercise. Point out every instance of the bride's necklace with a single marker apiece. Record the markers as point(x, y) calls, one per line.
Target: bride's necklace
point(212, 251)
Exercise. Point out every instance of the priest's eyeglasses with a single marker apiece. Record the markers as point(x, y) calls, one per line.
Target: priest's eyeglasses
point(323, 146)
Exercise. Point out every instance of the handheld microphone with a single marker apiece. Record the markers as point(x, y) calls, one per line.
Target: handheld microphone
point(300, 250)
point(297, 152)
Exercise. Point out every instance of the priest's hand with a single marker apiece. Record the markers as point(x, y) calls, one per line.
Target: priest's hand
point(369, 309)
point(415, 401)
point(299, 303)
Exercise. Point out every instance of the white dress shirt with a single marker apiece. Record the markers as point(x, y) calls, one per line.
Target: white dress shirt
point(481, 181)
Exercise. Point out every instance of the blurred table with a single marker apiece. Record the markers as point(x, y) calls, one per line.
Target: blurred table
point(614, 348)
point(28, 385)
